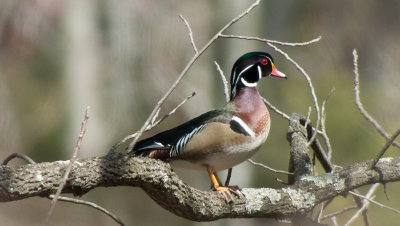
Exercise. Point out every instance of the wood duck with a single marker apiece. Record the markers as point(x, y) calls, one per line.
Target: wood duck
point(222, 138)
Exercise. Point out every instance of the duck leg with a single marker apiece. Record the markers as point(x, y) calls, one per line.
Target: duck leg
point(226, 191)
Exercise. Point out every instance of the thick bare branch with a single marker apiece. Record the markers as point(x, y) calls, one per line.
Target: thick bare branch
point(158, 180)
point(163, 185)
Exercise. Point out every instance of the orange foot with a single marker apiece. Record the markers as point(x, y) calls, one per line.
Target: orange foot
point(229, 191)
point(226, 191)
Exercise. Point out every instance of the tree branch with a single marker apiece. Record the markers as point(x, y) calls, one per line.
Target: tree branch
point(158, 180)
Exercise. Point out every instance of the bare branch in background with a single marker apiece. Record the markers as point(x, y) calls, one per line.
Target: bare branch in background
point(363, 205)
point(268, 168)
point(385, 147)
point(90, 204)
point(360, 107)
point(153, 122)
point(190, 33)
point(71, 162)
point(272, 41)
point(308, 117)
point(323, 128)
point(337, 213)
point(282, 114)
point(310, 86)
point(375, 202)
point(224, 81)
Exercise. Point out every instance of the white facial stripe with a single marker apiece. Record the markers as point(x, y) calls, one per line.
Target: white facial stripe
point(259, 72)
point(248, 84)
point(247, 68)
point(244, 126)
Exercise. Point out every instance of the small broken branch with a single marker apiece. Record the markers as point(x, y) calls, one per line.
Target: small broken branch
point(71, 162)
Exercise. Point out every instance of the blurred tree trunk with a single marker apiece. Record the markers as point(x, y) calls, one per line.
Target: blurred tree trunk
point(83, 75)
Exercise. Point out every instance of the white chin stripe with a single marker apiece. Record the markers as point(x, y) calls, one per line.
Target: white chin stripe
point(244, 126)
point(248, 84)
point(259, 73)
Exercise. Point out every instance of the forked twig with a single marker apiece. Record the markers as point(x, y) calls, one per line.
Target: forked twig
point(71, 162)
point(360, 107)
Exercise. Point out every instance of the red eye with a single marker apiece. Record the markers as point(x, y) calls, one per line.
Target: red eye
point(264, 61)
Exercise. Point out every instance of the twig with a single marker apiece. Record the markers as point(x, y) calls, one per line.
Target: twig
point(359, 211)
point(376, 203)
point(323, 119)
point(268, 168)
point(17, 155)
point(282, 114)
point(190, 33)
point(385, 147)
point(360, 107)
point(71, 162)
point(153, 123)
point(308, 117)
point(174, 110)
point(310, 85)
point(224, 81)
point(183, 73)
point(272, 41)
point(364, 205)
point(384, 190)
point(338, 212)
point(90, 204)
point(318, 218)
point(318, 150)
point(334, 221)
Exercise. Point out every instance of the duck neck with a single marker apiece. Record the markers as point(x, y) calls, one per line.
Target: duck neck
point(251, 109)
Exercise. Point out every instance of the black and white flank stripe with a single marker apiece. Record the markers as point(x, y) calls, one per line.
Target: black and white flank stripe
point(177, 149)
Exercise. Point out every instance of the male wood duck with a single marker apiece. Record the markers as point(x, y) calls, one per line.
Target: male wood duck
point(222, 138)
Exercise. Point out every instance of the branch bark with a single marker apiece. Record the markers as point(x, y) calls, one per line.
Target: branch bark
point(159, 181)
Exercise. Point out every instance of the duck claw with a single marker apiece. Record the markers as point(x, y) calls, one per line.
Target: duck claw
point(229, 192)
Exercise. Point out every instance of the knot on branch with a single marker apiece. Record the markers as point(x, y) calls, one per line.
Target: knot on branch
point(300, 163)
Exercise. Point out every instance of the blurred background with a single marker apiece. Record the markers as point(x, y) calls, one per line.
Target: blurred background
point(120, 57)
